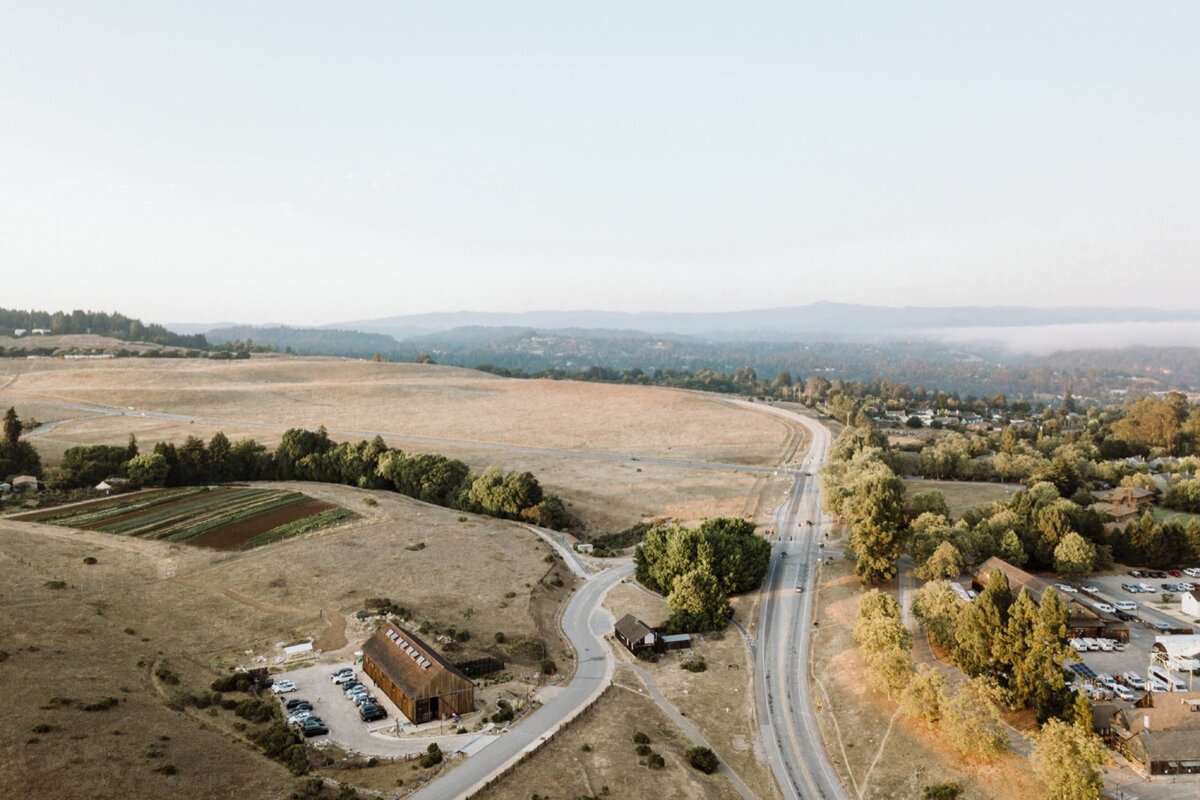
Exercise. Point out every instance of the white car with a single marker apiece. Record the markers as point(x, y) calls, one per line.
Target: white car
point(1092, 589)
point(283, 687)
point(1068, 589)
point(1147, 588)
point(1080, 645)
point(1105, 607)
point(299, 716)
point(1134, 680)
point(343, 677)
point(1156, 685)
point(1126, 605)
point(1192, 572)
point(1122, 692)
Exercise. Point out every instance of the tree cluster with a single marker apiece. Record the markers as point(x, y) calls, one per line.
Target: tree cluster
point(304, 455)
point(117, 326)
point(698, 568)
point(17, 456)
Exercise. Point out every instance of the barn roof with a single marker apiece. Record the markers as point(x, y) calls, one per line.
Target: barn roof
point(409, 662)
point(1019, 579)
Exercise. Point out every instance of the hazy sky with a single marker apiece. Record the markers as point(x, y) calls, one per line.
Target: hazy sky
point(315, 162)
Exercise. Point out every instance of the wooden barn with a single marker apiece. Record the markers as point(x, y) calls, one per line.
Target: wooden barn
point(422, 684)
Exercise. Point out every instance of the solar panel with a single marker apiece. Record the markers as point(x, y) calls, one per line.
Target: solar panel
point(1083, 670)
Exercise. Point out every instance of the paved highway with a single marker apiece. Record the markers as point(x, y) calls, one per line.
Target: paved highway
point(785, 710)
point(585, 623)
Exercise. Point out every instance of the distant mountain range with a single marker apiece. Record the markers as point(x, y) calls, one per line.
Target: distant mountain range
point(824, 319)
point(981, 350)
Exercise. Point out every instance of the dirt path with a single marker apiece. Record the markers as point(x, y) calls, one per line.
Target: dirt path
point(334, 636)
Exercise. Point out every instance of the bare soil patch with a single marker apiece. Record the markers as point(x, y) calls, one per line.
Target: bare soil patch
point(233, 536)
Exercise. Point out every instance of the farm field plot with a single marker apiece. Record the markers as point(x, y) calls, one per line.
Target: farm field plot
point(225, 518)
point(961, 495)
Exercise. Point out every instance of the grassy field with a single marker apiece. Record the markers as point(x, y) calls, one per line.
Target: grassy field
point(1167, 515)
point(961, 495)
point(87, 631)
point(720, 700)
point(879, 753)
point(596, 757)
point(461, 413)
point(224, 518)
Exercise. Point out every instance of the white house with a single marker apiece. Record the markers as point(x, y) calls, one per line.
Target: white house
point(1191, 604)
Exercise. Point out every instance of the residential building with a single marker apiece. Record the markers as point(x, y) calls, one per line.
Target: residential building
point(1161, 739)
point(635, 634)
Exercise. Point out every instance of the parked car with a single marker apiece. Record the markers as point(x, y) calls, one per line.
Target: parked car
point(343, 678)
point(1129, 587)
point(299, 716)
point(1174, 573)
point(1162, 626)
point(343, 671)
point(363, 699)
point(356, 693)
point(370, 712)
point(1155, 685)
point(297, 701)
point(1134, 680)
point(313, 726)
point(1123, 693)
point(1105, 607)
point(1156, 574)
point(283, 687)
point(1134, 573)
point(1121, 615)
point(1126, 605)
point(1079, 645)
point(1092, 589)
point(1147, 588)
point(1192, 572)
point(296, 709)
point(350, 687)
point(1067, 588)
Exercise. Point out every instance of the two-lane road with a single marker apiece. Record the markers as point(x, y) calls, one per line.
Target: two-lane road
point(785, 709)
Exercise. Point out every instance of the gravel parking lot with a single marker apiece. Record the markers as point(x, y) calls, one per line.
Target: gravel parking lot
point(347, 729)
point(1110, 586)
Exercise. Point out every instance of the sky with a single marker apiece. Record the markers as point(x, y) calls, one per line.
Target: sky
point(310, 162)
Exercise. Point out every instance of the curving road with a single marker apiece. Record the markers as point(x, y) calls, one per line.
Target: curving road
point(585, 623)
point(795, 750)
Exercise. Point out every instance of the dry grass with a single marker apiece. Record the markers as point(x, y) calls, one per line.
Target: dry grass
point(719, 701)
point(261, 397)
point(564, 769)
point(887, 755)
point(200, 611)
point(962, 495)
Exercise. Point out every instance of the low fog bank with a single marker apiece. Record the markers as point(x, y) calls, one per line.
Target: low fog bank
point(1042, 340)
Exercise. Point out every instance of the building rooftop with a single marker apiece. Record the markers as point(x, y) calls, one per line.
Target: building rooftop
point(632, 629)
point(408, 661)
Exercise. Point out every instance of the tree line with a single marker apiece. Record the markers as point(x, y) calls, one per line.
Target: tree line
point(698, 568)
point(115, 325)
point(1013, 652)
point(304, 455)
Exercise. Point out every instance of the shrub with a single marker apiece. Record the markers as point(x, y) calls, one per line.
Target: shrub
point(42, 727)
point(164, 674)
point(55, 584)
point(168, 769)
point(90, 560)
point(655, 761)
point(463, 636)
point(643, 750)
point(283, 744)
point(237, 682)
point(548, 666)
point(950, 790)
point(641, 738)
point(703, 759)
point(432, 757)
point(695, 665)
point(103, 704)
point(371, 501)
point(499, 639)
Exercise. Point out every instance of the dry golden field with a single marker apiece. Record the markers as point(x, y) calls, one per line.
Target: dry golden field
point(562, 431)
point(596, 757)
point(87, 632)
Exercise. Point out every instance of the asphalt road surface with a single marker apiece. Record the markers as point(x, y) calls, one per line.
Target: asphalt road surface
point(785, 710)
point(585, 623)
